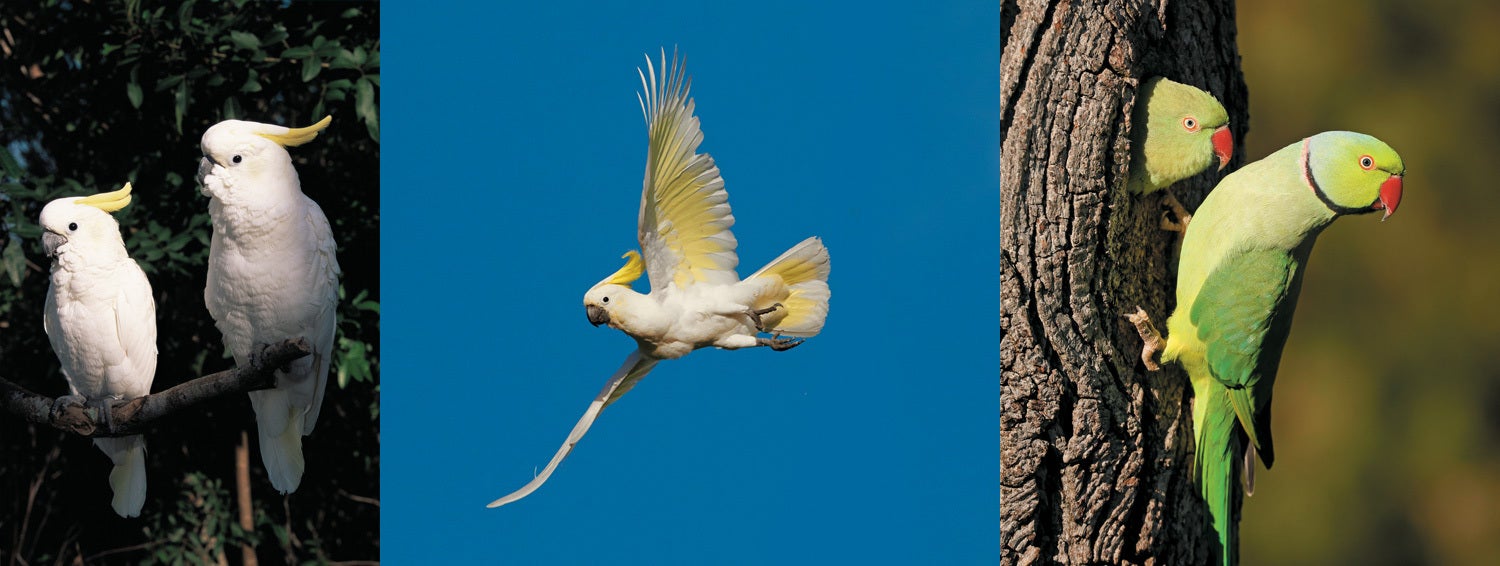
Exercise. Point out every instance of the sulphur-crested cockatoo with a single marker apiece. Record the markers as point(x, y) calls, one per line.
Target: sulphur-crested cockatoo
point(101, 321)
point(272, 276)
point(696, 298)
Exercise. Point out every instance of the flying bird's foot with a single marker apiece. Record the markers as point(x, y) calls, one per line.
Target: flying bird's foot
point(1149, 336)
point(61, 404)
point(756, 314)
point(1176, 209)
point(779, 344)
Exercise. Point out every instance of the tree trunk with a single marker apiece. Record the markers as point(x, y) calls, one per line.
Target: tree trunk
point(1095, 452)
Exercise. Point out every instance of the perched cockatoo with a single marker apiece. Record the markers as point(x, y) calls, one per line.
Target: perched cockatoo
point(272, 276)
point(1243, 259)
point(696, 298)
point(101, 320)
point(1177, 131)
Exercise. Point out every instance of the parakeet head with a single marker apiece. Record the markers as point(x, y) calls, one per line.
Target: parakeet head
point(1178, 131)
point(1353, 173)
point(81, 228)
point(247, 161)
point(607, 296)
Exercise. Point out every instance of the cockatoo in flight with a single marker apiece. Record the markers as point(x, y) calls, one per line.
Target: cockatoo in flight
point(101, 320)
point(272, 275)
point(696, 298)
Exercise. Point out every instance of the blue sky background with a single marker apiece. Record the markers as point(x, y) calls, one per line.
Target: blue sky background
point(514, 154)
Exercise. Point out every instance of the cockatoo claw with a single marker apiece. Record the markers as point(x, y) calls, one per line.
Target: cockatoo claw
point(756, 314)
point(779, 344)
point(61, 404)
point(107, 412)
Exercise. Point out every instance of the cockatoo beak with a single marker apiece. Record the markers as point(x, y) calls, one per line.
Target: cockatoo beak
point(1390, 196)
point(597, 315)
point(205, 166)
point(51, 241)
point(1223, 140)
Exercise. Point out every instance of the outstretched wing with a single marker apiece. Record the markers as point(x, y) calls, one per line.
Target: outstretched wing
point(685, 218)
point(636, 366)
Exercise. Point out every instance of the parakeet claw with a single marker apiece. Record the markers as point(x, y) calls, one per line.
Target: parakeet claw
point(777, 343)
point(755, 315)
point(62, 403)
point(1176, 209)
point(1149, 336)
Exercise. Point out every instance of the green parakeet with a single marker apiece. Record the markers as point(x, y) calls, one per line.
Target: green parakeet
point(1243, 259)
point(272, 275)
point(1177, 131)
point(101, 320)
point(696, 300)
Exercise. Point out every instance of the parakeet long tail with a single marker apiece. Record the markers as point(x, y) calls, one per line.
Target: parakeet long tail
point(636, 366)
point(280, 430)
point(1219, 462)
point(128, 477)
point(803, 270)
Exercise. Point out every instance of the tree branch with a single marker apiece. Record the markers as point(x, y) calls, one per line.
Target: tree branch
point(133, 416)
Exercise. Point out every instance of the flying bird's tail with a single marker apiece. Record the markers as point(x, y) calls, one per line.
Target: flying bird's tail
point(1219, 463)
point(280, 428)
point(128, 477)
point(636, 366)
point(803, 272)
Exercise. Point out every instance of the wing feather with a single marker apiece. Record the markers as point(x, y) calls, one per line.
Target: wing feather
point(685, 220)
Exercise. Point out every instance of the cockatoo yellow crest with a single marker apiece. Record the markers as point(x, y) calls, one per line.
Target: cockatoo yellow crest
point(101, 320)
point(696, 299)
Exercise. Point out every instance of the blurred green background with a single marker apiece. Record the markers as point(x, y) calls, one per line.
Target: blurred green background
point(94, 94)
point(1387, 406)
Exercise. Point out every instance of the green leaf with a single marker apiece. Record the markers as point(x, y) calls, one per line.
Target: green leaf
point(300, 52)
point(244, 40)
point(168, 82)
point(14, 260)
point(364, 107)
point(10, 165)
point(133, 92)
point(180, 109)
point(311, 66)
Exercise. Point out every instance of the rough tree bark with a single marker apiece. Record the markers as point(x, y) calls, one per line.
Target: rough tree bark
point(133, 416)
point(1095, 452)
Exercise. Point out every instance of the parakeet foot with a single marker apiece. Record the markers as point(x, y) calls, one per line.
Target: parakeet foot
point(62, 403)
point(777, 343)
point(755, 315)
point(1181, 224)
point(1152, 340)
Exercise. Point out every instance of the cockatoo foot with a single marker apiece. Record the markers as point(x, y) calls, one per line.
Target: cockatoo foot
point(107, 412)
point(61, 404)
point(756, 314)
point(1183, 218)
point(779, 344)
point(1152, 340)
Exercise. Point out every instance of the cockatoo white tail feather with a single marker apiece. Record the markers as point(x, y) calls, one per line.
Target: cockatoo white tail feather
point(101, 320)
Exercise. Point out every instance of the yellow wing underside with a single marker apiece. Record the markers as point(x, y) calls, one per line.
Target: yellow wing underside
point(685, 218)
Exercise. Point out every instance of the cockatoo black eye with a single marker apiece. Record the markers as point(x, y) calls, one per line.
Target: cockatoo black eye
point(72, 226)
point(237, 159)
point(606, 300)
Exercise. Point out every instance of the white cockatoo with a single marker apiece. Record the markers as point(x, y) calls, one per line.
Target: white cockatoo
point(272, 276)
point(101, 320)
point(696, 298)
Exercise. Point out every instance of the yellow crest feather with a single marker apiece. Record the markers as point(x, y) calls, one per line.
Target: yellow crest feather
point(634, 267)
point(108, 202)
point(299, 136)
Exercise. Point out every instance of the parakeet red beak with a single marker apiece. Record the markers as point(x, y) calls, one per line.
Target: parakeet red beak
point(1390, 196)
point(1223, 145)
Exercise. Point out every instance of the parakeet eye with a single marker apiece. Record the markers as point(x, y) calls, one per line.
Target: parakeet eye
point(237, 159)
point(1190, 123)
point(72, 226)
point(606, 300)
point(1366, 162)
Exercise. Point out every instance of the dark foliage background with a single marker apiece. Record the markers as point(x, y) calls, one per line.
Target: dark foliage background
point(94, 94)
